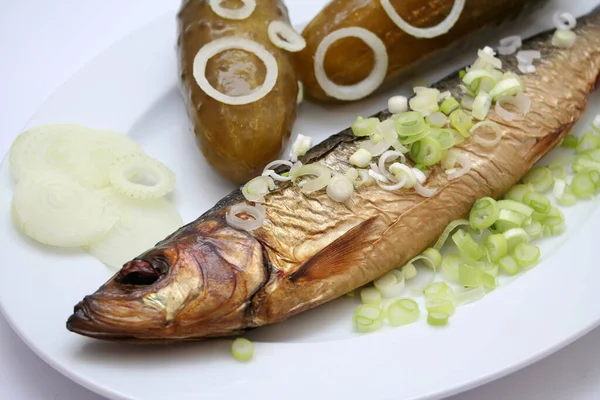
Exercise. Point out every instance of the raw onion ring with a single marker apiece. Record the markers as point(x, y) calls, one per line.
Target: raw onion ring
point(424, 191)
point(258, 212)
point(367, 85)
point(292, 41)
point(465, 165)
point(487, 142)
point(430, 32)
point(269, 170)
point(520, 100)
point(233, 13)
point(228, 43)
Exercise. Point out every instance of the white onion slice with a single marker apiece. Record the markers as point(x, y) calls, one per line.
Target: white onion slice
point(444, 95)
point(376, 174)
point(367, 85)
point(258, 212)
point(420, 175)
point(141, 177)
point(292, 41)
point(520, 100)
point(55, 210)
point(527, 56)
point(483, 141)
point(424, 191)
point(79, 152)
point(269, 170)
point(233, 13)
point(228, 43)
point(140, 225)
point(465, 165)
point(526, 68)
point(509, 45)
point(564, 20)
point(321, 172)
point(430, 32)
point(389, 155)
point(300, 96)
point(256, 189)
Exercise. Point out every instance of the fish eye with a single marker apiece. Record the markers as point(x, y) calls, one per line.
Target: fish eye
point(143, 272)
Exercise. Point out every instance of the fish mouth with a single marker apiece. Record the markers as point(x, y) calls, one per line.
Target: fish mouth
point(117, 311)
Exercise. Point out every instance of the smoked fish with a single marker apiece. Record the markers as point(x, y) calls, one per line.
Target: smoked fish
point(209, 279)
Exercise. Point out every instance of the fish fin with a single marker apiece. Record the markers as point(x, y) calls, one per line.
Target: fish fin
point(342, 253)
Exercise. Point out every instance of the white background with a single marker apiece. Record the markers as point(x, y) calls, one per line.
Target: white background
point(42, 43)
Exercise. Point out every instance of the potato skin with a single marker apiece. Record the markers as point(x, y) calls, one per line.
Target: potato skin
point(237, 140)
point(348, 61)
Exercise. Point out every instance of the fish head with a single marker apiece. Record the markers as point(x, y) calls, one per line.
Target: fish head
point(196, 283)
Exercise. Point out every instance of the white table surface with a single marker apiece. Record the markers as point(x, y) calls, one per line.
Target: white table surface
point(42, 43)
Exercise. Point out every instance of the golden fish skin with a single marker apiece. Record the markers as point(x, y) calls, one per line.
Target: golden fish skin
point(208, 279)
point(349, 60)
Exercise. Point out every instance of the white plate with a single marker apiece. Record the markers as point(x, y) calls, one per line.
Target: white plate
point(132, 88)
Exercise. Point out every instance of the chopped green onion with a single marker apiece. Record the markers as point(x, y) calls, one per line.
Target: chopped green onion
point(509, 265)
point(410, 123)
point(481, 105)
point(506, 87)
point(470, 295)
point(462, 122)
point(467, 246)
point(491, 270)
point(467, 102)
point(563, 38)
point(496, 247)
point(444, 137)
point(436, 120)
point(365, 127)
point(242, 349)
point(439, 290)
point(508, 219)
point(438, 318)
point(540, 178)
point(450, 265)
point(370, 295)
point(570, 141)
point(440, 306)
point(425, 103)
point(391, 284)
point(409, 271)
point(433, 255)
point(558, 171)
point(526, 254)
point(376, 138)
point(350, 293)
point(449, 105)
point(484, 213)
point(555, 221)
point(517, 192)
point(402, 312)
point(568, 198)
point(367, 318)
point(592, 154)
point(470, 276)
point(586, 143)
point(515, 236)
point(515, 205)
point(541, 204)
point(427, 151)
point(406, 140)
point(475, 75)
point(582, 184)
point(451, 226)
point(361, 158)
point(534, 229)
point(462, 73)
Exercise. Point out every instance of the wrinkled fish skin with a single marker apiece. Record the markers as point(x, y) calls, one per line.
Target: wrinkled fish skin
point(208, 279)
